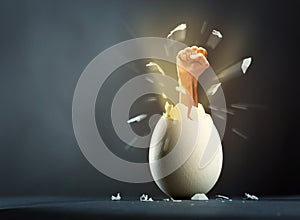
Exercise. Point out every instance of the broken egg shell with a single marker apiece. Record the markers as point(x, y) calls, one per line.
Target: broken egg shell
point(176, 148)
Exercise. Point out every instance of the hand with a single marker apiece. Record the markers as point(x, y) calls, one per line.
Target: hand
point(193, 60)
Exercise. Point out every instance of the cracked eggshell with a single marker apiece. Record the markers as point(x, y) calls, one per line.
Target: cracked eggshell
point(176, 148)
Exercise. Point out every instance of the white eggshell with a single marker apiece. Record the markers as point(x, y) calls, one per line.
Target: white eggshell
point(176, 148)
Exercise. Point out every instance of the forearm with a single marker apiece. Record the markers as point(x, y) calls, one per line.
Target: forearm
point(191, 63)
point(190, 84)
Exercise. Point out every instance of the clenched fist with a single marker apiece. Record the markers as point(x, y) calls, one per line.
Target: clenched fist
point(191, 63)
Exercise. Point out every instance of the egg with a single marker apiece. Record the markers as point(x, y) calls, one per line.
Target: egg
point(177, 146)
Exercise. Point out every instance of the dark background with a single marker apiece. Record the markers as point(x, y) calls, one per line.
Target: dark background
point(45, 45)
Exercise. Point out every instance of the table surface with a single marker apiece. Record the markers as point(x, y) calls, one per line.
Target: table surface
point(99, 208)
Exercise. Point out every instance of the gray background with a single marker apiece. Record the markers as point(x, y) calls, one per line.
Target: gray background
point(45, 45)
